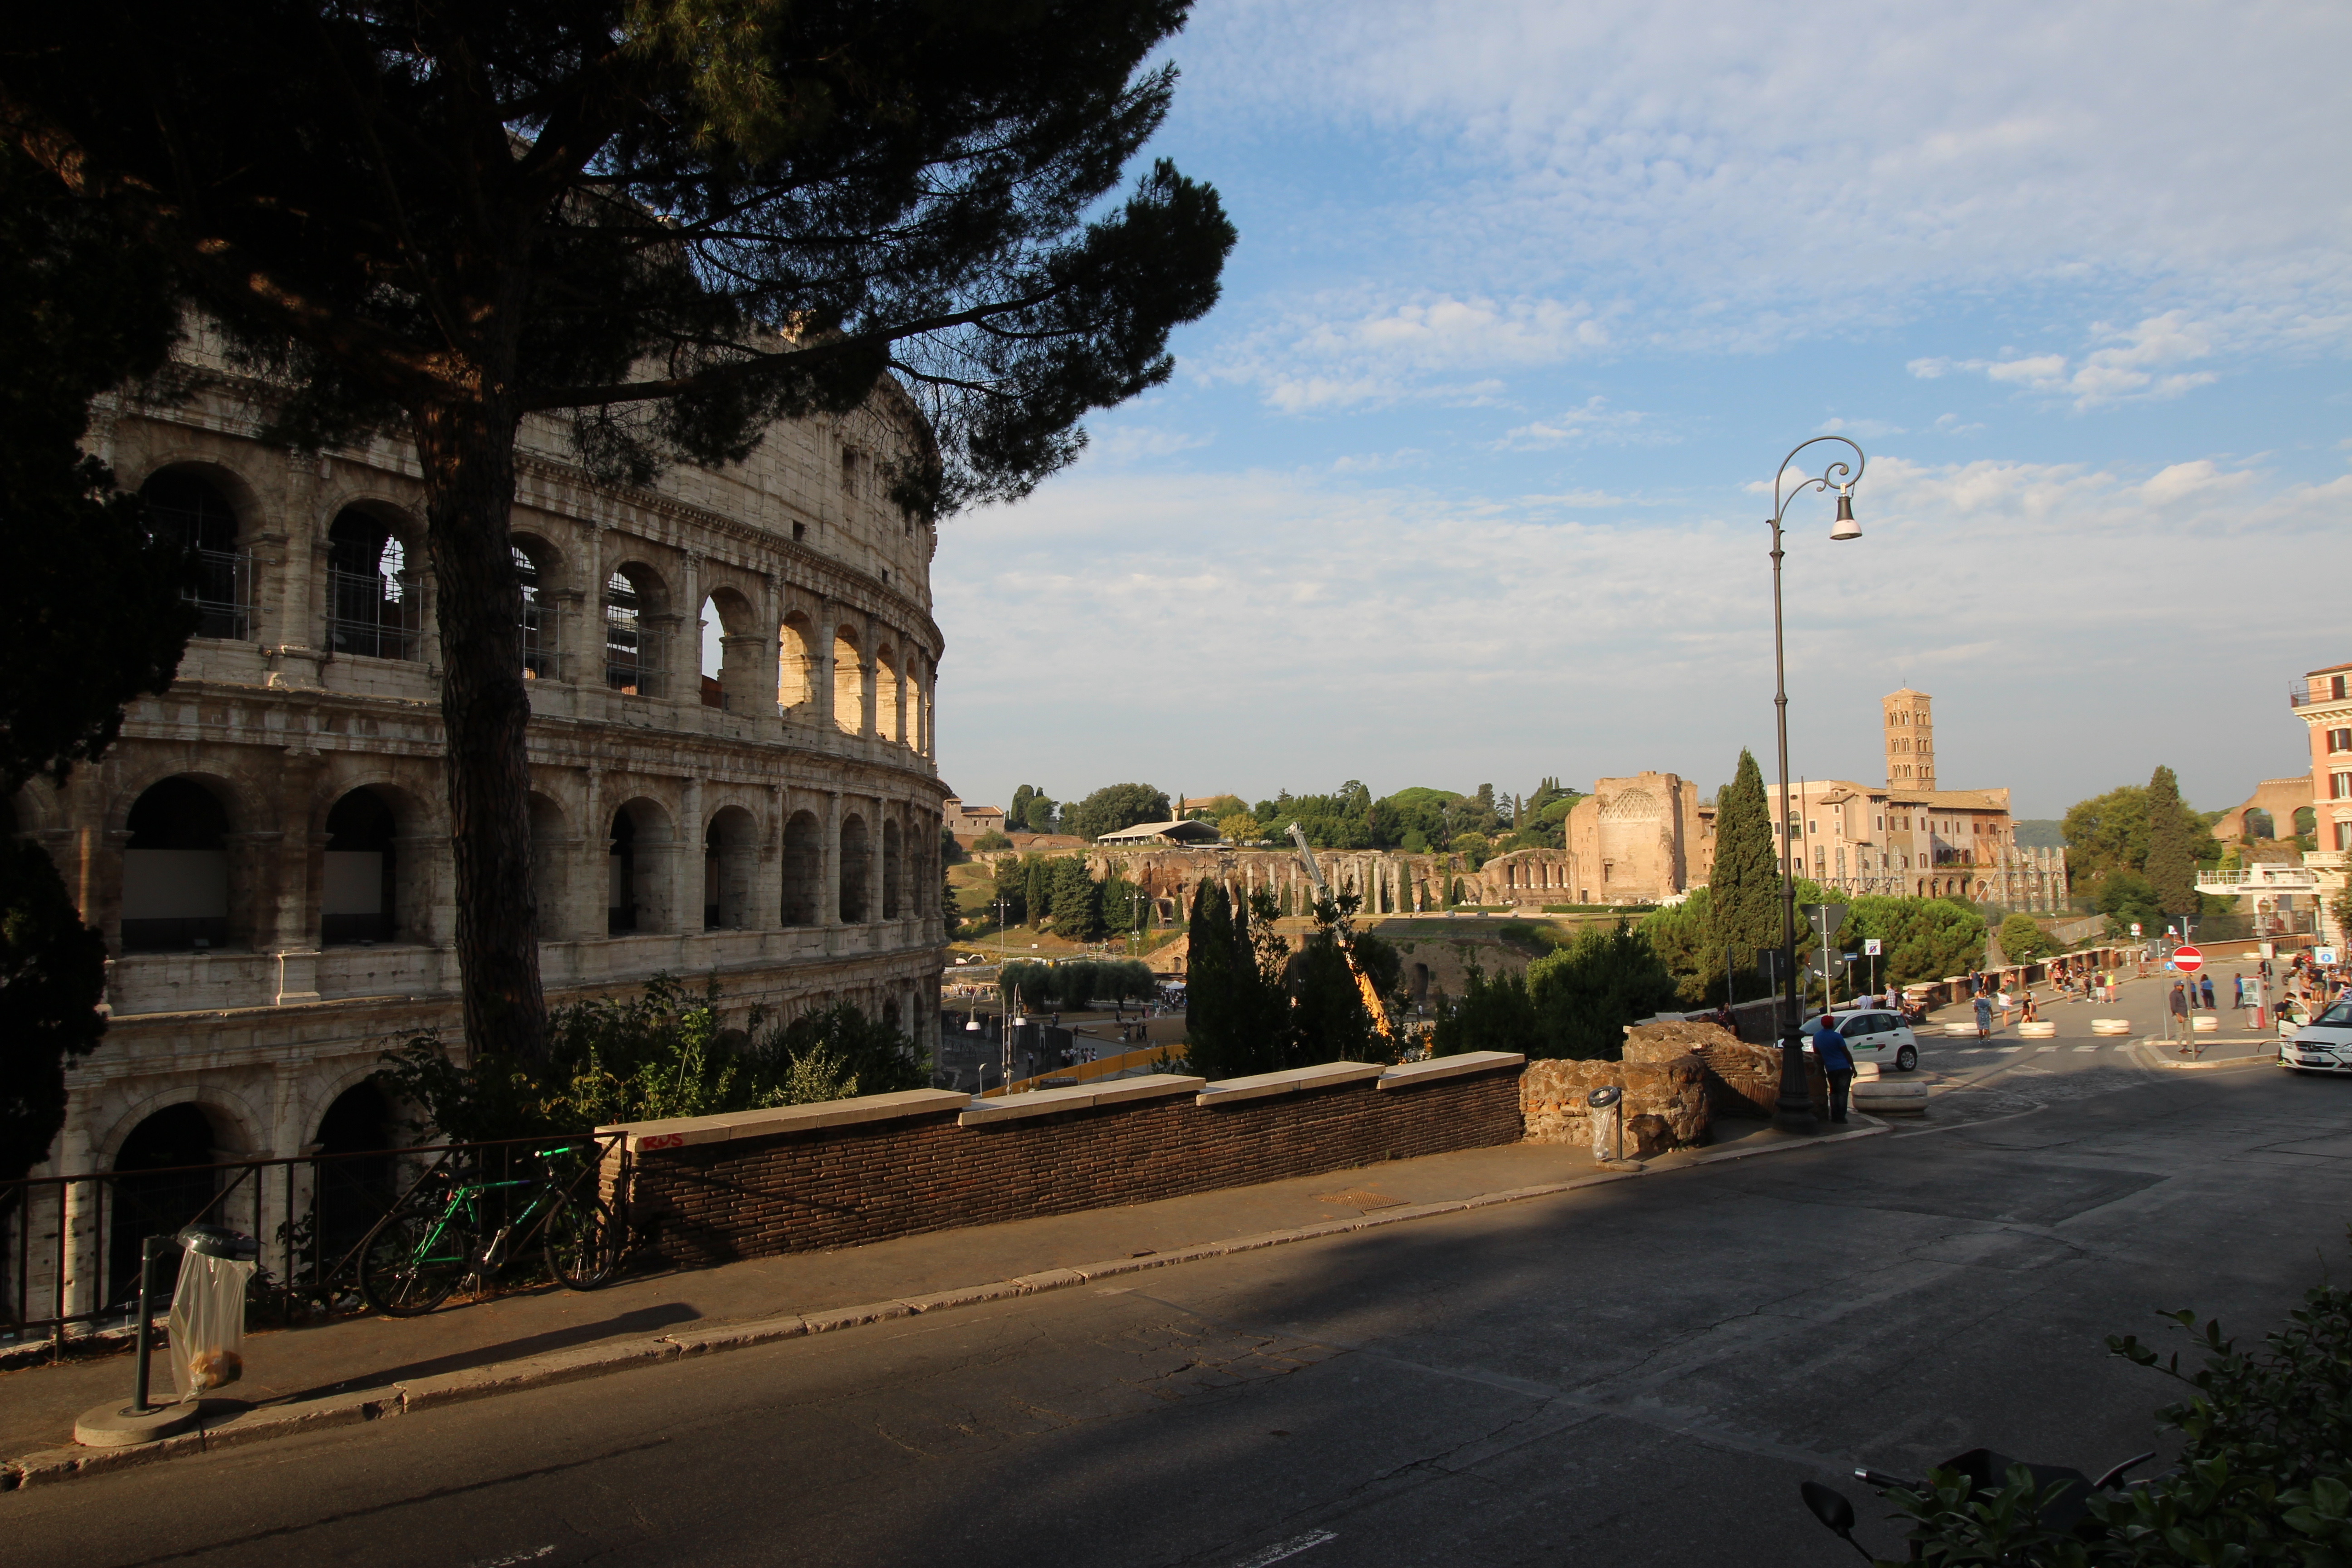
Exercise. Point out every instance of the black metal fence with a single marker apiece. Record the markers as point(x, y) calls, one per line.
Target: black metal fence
point(70, 1245)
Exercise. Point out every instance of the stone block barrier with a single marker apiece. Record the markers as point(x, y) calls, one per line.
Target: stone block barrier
point(849, 1172)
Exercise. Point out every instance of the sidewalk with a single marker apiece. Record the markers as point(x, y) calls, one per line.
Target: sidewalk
point(358, 1368)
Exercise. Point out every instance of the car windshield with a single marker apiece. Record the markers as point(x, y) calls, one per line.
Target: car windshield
point(2339, 1012)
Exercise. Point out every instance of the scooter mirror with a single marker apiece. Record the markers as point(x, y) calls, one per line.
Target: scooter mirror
point(1829, 1507)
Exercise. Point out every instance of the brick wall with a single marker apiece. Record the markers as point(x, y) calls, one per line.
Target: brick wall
point(849, 1185)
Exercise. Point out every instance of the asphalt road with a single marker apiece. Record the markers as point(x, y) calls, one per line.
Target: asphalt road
point(1639, 1373)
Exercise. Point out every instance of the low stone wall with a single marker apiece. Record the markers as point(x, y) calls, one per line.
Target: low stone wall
point(848, 1173)
point(1670, 1093)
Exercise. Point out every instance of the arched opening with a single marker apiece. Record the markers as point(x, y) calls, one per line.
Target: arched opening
point(632, 647)
point(2306, 821)
point(848, 684)
point(356, 1186)
point(175, 882)
point(893, 870)
point(730, 852)
point(889, 717)
point(734, 676)
point(853, 870)
point(638, 856)
point(532, 560)
point(548, 860)
point(804, 868)
point(182, 507)
point(154, 1195)
point(796, 648)
point(374, 609)
point(361, 902)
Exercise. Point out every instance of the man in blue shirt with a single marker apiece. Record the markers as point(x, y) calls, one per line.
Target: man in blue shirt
point(1837, 1065)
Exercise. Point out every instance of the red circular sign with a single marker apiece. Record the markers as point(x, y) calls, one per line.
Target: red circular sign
point(2190, 960)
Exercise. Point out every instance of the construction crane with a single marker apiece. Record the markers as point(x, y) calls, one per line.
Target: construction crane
point(1346, 942)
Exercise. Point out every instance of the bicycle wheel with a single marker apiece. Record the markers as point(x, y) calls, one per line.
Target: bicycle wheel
point(409, 1263)
point(581, 1244)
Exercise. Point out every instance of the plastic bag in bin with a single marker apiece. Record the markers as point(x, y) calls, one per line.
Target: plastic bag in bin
point(208, 1310)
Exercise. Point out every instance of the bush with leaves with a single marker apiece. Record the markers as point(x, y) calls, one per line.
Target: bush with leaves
point(2264, 1474)
point(662, 1054)
point(1491, 1016)
point(1587, 993)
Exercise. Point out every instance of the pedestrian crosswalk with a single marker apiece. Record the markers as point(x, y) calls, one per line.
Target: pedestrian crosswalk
point(2011, 1050)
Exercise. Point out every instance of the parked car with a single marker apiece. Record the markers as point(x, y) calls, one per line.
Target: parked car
point(2322, 1044)
point(1873, 1037)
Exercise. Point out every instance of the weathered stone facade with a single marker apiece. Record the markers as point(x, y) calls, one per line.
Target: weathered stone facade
point(1631, 839)
point(266, 851)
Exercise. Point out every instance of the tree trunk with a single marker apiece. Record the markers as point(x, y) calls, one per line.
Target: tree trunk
point(467, 452)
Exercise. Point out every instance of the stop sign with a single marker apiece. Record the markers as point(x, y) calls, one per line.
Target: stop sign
point(2190, 960)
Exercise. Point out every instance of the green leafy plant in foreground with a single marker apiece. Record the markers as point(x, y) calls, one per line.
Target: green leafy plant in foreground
point(2264, 1474)
point(659, 1055)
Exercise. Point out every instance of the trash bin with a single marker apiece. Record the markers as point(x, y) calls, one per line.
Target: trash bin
point(208, 1310)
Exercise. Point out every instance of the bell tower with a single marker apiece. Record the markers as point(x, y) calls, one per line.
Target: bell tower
point(1910, 740)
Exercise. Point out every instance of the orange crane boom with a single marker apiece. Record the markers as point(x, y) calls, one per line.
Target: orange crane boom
point(1346, 942)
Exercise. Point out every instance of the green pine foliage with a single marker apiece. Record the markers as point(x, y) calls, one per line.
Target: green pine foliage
point(1073, 983)
point(1115, 806)
point(1585, 994)
point(1494, 1014)
point(1744, 888)
point(52, 979)
point(2171, 856)
point(1236, 1015)
point(2024, 941)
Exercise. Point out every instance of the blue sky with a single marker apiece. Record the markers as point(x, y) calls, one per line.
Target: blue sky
point(1465, 479)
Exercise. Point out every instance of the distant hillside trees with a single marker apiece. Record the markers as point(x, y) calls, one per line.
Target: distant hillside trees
point(1115, 806)
point(2118, 842)
point(1032, 811)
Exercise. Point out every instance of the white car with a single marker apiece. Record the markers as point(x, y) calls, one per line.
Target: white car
point(2322, 1045)
point(1873, 1037)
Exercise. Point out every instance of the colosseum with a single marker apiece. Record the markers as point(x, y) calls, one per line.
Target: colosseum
point(265, 848)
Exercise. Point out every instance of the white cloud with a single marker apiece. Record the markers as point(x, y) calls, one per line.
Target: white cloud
point(1125, 443)
point(1950, 425)
point(1592, 421)
point(1338, 352)
point(1868, 429)
point(2131, 369)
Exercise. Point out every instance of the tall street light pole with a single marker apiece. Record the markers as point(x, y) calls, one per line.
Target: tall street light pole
point(1795, 1110)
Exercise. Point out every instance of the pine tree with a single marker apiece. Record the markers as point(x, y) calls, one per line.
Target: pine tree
point(2171, 868)
point(1038, 897)
point(1744, 888)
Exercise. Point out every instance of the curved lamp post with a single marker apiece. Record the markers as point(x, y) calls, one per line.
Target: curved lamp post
point(1793, 1111)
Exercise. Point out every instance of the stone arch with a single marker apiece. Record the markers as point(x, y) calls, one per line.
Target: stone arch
point(634, 599)
point(803, 869)
point(538, 573)
point(849, 676)
point(894, 868)
point(375, 594)
point(162, 1156)
point(373, 888)
point(189, 502)
point(357, 1175)
point(181, 886)
point(731, 859)
point(739, 683)
point(855, 850)
point(639, 843)
point(797, 657)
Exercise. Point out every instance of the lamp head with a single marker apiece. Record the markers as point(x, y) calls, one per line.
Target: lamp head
point(1845, 527)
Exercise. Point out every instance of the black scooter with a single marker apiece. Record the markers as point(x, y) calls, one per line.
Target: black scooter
point(1987, 1473)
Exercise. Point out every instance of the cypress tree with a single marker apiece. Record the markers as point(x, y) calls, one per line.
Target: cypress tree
point(2171, 868)
point(1208, 974)
point(1039, 893)
point(1744, 888)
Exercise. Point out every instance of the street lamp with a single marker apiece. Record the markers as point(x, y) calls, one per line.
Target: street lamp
point(1795, 1110)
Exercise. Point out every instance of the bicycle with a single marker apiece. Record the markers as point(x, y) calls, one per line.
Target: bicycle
point(414, 1257)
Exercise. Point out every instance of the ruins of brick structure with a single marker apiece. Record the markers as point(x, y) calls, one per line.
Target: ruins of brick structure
point(1640, 839)
point(266, 849)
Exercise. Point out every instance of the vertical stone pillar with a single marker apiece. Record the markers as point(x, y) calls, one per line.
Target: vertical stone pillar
point(586, 640)
point(591, 899)
point(829, 879)
point(873, 859)
point(869, 689)
point(822, 629)
point(686, 895)
point(772, 858)
point(287, 903)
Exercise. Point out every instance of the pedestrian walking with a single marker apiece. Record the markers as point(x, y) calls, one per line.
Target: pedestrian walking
point(2206, 982)
point(2237, 996)
point(1984, 1016)
point(1837, 1065)
point(2030, 1015)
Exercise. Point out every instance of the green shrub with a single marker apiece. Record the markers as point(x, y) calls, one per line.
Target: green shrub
point(1585, 994)
point(660, 1055)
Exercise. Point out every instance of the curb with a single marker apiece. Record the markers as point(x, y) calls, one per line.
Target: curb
point(236, 1428)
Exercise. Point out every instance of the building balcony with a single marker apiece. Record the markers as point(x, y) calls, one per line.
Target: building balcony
point(2258, 880)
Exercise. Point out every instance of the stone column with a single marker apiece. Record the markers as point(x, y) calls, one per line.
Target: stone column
point(821, 631)
point(588, 645)
point(874, 858)
point(294, 891)
point(590, 900)
point(687, 886)
point(829, 880)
